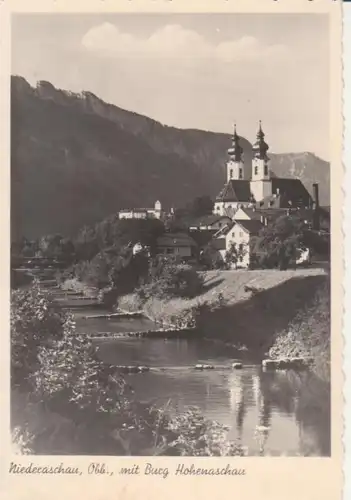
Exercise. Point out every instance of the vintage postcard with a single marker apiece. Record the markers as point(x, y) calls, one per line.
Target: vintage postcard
point(172, 263)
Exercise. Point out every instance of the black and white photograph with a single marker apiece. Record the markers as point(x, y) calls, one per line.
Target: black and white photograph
point(171, 234)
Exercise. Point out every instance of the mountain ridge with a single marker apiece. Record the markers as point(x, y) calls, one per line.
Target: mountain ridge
point(76, 159)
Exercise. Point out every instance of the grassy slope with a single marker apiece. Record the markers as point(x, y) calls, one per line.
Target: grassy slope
point(244, 318)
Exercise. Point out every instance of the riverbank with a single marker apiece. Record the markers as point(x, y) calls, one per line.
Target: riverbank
point(269, 312)
point(245, 308)
point(309, 334)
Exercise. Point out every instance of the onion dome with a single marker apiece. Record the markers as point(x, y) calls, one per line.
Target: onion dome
point(260, 147)
point(236, 151)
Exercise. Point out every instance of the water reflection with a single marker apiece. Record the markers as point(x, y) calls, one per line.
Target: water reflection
point(274, 413)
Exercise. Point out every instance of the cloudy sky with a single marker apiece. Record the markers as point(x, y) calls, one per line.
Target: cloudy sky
point(191, 71)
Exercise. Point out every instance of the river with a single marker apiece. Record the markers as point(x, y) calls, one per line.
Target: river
point(269, 412)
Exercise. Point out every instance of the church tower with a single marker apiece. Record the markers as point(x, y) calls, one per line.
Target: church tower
point(261, 183)
point(235, 165)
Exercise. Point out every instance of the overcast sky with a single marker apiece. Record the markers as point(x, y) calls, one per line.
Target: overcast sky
point(191, 71)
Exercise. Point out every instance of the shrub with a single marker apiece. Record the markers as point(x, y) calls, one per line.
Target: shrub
point(35, 321)
point(199, 437)
point(235, 255)
point(210, 257)
point(168, 278)
point(279, 243)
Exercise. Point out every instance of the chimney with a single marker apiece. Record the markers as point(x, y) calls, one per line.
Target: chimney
point(316, 215)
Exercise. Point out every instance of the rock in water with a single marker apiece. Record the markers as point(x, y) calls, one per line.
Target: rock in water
point(237, 366)
point(269, 363)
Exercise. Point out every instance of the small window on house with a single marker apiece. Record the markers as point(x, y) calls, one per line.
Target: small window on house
point(241, 234)
point(231, 173)
point(240, 173)
point(256, 170)
point(241, 247)
point(219, 224)
point(265, 170)
point(169, 250)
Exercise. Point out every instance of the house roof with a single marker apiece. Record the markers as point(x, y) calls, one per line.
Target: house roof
point(251, 226)
point(236, 191)
point(202, 238)
point(287, 193)
point(175, 240)
point(219, 243)
point(269, 213)
point(206, 220)
point(224, 230)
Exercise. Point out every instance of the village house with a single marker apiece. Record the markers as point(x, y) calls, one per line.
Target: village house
point(238, 233)
point(176, 244)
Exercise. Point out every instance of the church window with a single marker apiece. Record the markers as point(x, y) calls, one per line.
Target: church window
point(256, 170)
point(240, 173)
point(231, 173)
point(265, 170)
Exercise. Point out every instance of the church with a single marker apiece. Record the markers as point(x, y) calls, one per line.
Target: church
point(259, 188)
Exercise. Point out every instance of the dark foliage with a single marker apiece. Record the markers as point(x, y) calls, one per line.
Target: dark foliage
point(279, 243)
point(167, 277)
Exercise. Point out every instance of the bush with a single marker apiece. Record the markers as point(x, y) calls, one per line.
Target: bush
point(279, 243)
point(235, 255)
point(167, 278)
point(35, 321)
point(199, 437)
point(210, 257)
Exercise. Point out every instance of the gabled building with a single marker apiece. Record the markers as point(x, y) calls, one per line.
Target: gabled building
point(176, 244)
point(209, 223)
point(238, 233)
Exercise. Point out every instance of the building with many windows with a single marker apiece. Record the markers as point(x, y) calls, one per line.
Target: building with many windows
point(257, 188)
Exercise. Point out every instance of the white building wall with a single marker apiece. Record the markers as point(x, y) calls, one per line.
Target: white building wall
point(261, 189)
point(222, 207)
point(238, 236)
point(235, 170)
point(260, 170)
